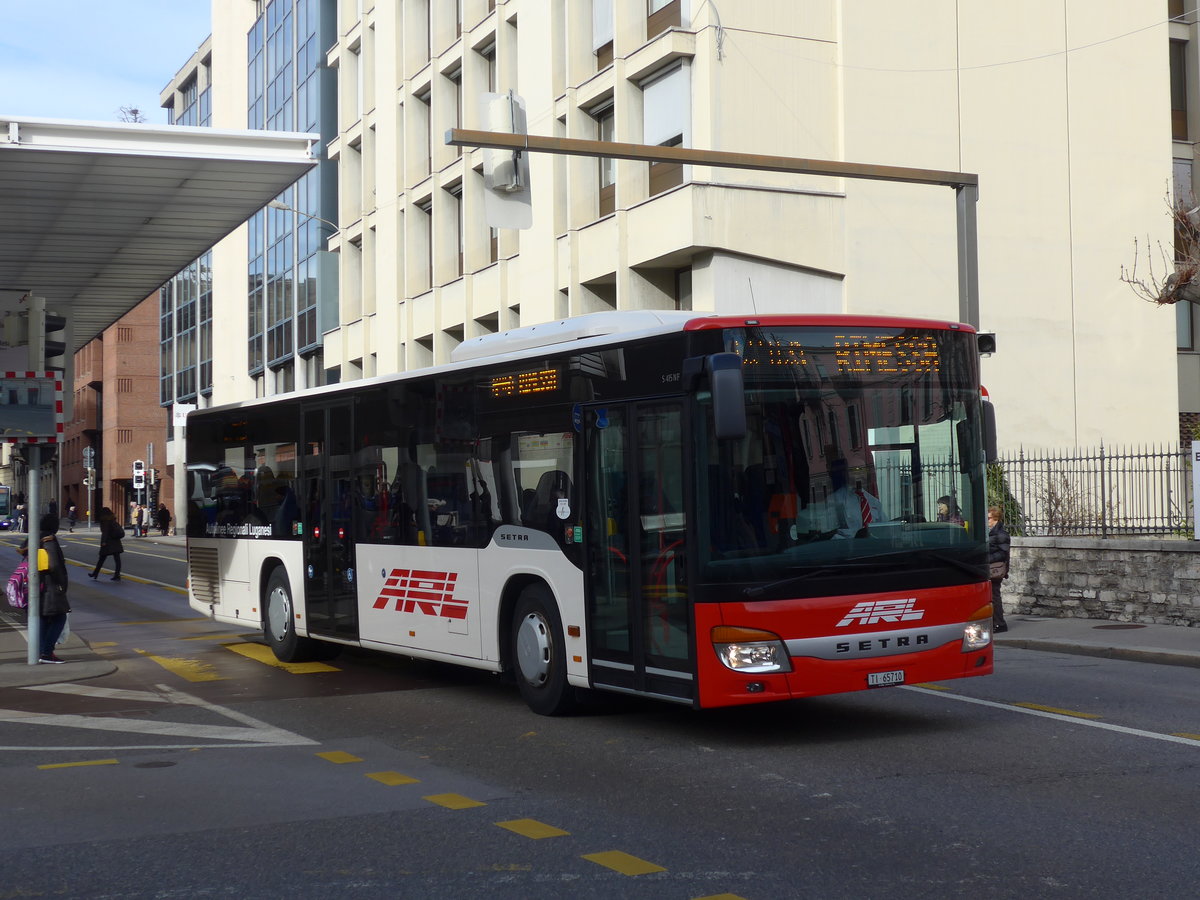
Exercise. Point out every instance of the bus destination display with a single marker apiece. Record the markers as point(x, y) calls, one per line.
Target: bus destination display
point(524, 384)
point(905, 353)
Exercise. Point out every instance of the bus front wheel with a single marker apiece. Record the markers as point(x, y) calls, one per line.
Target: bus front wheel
point(539, 654)
point(279, 622)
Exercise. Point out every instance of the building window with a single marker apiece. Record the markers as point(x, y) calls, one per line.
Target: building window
point(455, 79)
point(489, 56)
point(1179, 123)
point(607, 168)
point(683, 288)
point(661, 15)
point(426, 206)
point(425, 128)
point(455, 196)
point(602, 32)
point(666, 121)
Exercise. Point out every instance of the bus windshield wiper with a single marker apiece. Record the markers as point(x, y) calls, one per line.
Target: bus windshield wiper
point(925, 553)
point(761, 589)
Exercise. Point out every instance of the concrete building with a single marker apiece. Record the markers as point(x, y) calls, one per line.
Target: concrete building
point(1063, 109)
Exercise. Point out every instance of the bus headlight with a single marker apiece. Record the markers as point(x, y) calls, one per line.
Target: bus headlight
point(977, 634)
point(750, 650)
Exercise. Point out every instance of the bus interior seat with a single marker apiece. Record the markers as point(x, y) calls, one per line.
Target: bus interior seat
point(552, 486)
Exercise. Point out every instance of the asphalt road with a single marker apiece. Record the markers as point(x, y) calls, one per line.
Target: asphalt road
point(199, 769)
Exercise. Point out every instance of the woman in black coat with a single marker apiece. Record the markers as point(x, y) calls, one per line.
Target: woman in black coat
point(52, 605)
point(999, 550)
point(111, 533)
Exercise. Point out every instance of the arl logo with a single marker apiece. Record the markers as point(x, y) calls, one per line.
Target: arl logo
point(871, 612)
point(424, 592)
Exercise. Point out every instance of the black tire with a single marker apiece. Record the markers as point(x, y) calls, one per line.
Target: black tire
point(279, 622)
point(539, 654)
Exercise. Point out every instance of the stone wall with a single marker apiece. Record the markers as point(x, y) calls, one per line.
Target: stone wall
point(1145, 581)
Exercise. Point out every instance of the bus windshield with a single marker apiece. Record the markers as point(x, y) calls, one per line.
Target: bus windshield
point(863, 453)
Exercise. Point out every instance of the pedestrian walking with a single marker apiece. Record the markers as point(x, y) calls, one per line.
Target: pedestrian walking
point(71, 517)
point(999, 551)
point(164, 519)
point(53, 604)
point(139, 519)
point(111, 533)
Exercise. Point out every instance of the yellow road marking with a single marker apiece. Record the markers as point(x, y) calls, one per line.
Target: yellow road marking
point(531, 828)
point(393, 778)
point(340, 756)
point(90, 762)
point(722, 897)
point(1184, 734)
point(622, 862)
point(213, 637)
point(1055, 709)
point(924, 684)
point(453, 801)
point(164, 621)
point(187, 669)
point(100, 645)
point(259, 653)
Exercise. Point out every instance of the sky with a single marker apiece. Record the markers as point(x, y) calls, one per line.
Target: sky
point(85, 59)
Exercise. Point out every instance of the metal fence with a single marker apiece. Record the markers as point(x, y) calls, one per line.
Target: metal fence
point(1104, 492)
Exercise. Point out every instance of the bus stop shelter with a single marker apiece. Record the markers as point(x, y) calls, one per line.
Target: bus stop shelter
point(94, 217)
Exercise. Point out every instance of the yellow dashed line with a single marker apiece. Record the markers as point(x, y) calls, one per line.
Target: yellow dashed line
point(1061, 712)
point(928, 687)
point(722, 897)
point(394, 778)
point(102, 645)
point(453, 801)
point(1184, 734)
point(339, 756)
point(71, 765)
point(259, 653)
point(623, 863)
point(187, 669)
point(531, 828)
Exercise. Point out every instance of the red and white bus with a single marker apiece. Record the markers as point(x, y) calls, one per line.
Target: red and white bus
point(711, 510)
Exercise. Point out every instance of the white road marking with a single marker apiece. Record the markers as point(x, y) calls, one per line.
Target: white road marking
point(87, 690)
point(251, 733)
point(1058, 717)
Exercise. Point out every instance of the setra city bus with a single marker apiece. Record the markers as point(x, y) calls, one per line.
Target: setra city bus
point(706, 509)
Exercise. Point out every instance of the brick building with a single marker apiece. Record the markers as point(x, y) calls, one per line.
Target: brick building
point(117, 414)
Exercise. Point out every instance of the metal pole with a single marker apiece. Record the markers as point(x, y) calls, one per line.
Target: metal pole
point(965, 198)
point(34, 541)
point(965, 184)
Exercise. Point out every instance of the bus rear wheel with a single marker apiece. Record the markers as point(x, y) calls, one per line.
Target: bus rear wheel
point(279, 622)
point(539, 653)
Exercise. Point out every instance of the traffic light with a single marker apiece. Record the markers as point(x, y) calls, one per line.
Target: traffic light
point(506, 199)
point(51, 347)
point(139, 475)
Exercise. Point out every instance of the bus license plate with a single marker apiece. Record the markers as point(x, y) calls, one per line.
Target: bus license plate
point(884, 679)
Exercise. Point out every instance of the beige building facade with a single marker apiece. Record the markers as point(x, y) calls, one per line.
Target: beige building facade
point(1063, 110)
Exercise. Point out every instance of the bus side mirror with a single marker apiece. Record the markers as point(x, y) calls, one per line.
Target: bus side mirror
point(728, 395)
point(990, 451)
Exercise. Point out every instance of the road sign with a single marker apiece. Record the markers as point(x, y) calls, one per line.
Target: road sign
point(89, 456)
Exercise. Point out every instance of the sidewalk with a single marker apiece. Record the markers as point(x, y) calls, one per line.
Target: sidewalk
point(1164, 644)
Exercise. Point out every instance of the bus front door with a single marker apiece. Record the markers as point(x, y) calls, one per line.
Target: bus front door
point(638, 612)
point(329, 576)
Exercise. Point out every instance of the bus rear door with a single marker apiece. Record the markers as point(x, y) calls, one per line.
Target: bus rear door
point(329, 567)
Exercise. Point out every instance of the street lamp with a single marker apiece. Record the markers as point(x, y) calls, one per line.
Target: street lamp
point(279, 204)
